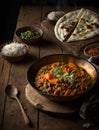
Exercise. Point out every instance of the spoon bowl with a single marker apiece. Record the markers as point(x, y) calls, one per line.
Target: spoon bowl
point(11, 91)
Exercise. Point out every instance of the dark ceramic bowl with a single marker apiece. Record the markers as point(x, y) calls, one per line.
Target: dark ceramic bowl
point(14, 58)
point(30, 41)
point(33, 69)
point(87, 48)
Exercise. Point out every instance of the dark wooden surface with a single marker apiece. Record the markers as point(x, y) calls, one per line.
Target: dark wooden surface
point(10, 114)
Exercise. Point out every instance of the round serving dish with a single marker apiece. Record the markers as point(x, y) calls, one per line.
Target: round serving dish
point(91, 50)
point(32, 71)
point(14, 58)
point(34, 39)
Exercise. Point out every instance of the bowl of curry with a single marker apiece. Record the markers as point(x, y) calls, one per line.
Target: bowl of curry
point(91, 50)
point(62, 77)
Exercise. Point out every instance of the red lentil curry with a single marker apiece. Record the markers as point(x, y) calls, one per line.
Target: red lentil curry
point(62, 79)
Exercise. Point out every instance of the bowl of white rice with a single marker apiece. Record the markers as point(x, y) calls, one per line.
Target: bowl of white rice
point(14, 51)
point(53, 16)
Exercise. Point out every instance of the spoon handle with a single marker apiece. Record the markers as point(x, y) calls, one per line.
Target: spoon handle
point(26, 119)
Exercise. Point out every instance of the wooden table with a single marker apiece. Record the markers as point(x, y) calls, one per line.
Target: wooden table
point(10, 114)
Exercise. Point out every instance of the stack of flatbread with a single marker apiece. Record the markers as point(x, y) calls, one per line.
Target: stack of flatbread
point(77, 25)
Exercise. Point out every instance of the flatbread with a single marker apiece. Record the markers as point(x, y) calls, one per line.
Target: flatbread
point(77, 25)
point(66, 24)
point(87, 27)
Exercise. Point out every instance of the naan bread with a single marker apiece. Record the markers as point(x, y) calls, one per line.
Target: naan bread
point(87, 27)
point(77, 25)
point(66, 24)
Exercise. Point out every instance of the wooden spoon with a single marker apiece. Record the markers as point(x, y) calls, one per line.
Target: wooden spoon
point(12, 92)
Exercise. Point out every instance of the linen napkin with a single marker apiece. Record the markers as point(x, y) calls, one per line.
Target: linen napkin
point(89, 110)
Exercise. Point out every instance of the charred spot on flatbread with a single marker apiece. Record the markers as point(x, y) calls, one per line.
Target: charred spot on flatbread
point(96, 25)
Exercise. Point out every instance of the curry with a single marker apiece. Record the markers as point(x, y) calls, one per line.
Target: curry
point(62, 79)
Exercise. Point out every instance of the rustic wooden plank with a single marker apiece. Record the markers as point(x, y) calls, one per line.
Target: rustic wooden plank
point(53, 122)
point(50, 122)
point(48, 46)
point(29, 16)
point(1, 64)
point(12, 111)
point(4, 77)
point(13, 118)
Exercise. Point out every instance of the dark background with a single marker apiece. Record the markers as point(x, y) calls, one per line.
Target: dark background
point(9, 10)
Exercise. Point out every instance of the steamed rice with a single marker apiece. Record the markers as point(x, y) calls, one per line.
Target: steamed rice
point(14, 49)
point(55, 15)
